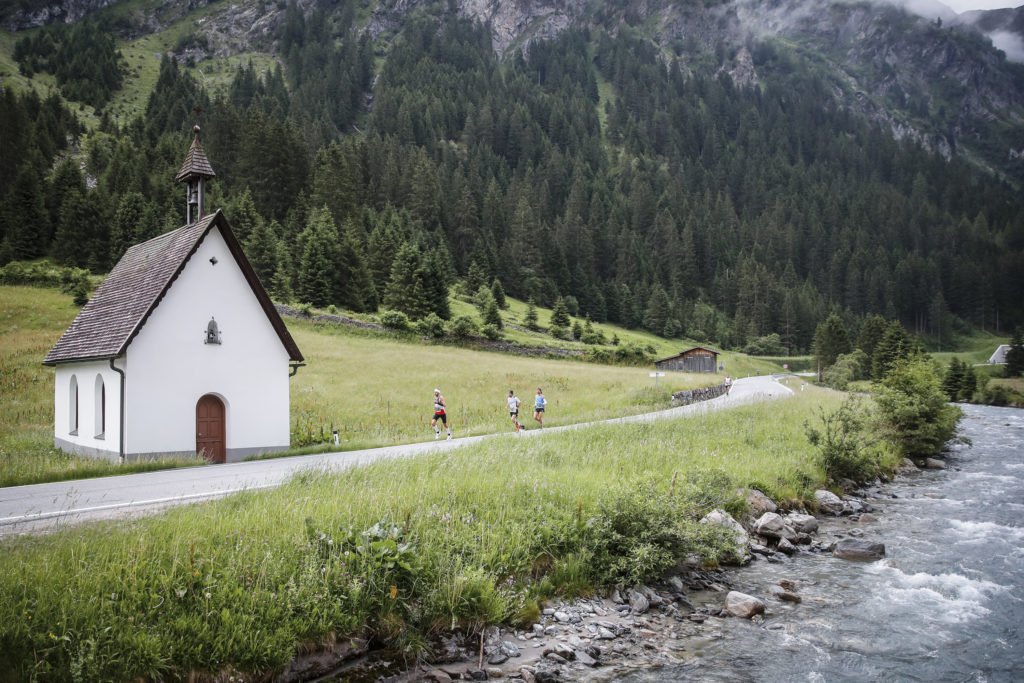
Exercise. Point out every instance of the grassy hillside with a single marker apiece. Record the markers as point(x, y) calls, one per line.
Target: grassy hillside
point(394, 551)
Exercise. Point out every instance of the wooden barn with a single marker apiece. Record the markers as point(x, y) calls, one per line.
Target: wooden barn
point(697, 359)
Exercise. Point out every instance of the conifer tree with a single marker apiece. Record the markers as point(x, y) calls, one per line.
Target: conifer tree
point(129, 219)
point(404, 291)
point(530, 319)
point(560, 314)
point(316, 282)
point(892, 347)
point(1015, 354)
point(953, 382)
point(871, 331)
point(261, 249)
point(492, 316)
point(657, 312)
point(499, 294)
point(281, 282)
point(830, 340)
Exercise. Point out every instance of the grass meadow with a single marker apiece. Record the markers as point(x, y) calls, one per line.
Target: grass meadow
point(394, 551)
point(375, 389)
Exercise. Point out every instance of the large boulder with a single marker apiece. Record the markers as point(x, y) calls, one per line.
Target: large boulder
point(805, 524)
point(858, 549)
point(638, 602)
point(934, 464)
point(743, 605)
point(829, 502)
point(760, 503)
point(772, 525)
point(741, 541)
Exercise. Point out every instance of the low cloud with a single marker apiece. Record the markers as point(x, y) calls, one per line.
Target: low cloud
point(1010, 43)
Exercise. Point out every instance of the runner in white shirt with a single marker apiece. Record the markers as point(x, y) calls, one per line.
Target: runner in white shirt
point(513, 410)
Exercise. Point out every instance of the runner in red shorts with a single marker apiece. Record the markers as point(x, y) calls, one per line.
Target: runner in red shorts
point(440, 414)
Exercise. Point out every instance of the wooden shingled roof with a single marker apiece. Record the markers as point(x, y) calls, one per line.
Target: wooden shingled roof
point(196, 163)
point(121, 305)
point(683, 353)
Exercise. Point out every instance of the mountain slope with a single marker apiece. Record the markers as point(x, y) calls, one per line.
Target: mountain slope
point(722, 170)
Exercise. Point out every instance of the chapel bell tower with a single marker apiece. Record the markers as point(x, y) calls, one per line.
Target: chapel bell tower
point(194, 173)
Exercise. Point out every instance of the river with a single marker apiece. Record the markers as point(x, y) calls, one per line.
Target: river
point(946, 603)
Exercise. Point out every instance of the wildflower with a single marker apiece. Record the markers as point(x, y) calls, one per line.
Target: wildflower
point(394, 592)
point(207, 595)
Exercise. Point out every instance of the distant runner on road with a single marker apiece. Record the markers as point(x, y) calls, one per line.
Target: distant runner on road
point(539, 403)
point(440, 413)
point(513, 409)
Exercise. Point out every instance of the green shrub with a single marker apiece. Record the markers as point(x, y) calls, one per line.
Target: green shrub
point(394, 320)
point(491, 332)
point(431, 326)
point(463, 327)
point(849, 367)
point(559, 332)
point(847, 447)
point(914, 413)
point(768, 345)
point(645, 528)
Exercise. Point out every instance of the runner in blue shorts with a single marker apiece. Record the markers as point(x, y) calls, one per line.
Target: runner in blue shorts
point(539, 403)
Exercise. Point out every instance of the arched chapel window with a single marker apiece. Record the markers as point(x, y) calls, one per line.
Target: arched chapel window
point(73, 406)
point(101, 407)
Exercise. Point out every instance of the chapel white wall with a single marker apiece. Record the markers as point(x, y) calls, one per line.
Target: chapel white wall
point(169, 367)
point(87, 441)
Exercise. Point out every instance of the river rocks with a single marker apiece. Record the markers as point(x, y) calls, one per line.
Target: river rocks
point(806, 524)
point(638, 602)
point(786, 547)
point(723, 519)
point(829, 502)
point(933, 464)
point(907, 465)
point(783, 594)
point(772, 525)
point(743, 605)
point(858, 549)
point(760, 503)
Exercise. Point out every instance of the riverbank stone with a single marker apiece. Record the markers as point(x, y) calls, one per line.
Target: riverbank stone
point(772, 525)
point(741, 541)
point(858, 549)
point(934, 464)
point(638, 602)
point(760, 503)
point(743, 605)
point(806, 524)
point(829, 502)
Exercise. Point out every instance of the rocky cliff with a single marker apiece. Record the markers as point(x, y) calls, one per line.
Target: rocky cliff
point(26, 14)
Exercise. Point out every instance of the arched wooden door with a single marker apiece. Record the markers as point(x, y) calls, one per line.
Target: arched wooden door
point(210, 441)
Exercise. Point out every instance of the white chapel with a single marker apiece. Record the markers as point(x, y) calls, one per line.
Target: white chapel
point(179, 351)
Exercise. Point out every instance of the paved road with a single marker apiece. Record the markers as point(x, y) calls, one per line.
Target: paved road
point(41, 507)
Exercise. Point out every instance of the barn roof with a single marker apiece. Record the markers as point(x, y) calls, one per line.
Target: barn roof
point(119, 308)
point(683, 353)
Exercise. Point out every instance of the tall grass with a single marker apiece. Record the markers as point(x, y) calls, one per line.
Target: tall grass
point(395, 551)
